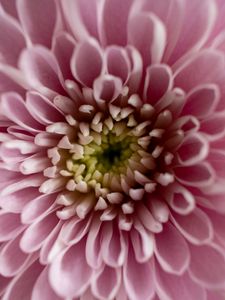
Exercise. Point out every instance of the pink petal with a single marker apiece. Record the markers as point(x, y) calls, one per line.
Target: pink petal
point(143, 243)
point(113, 245)
point(114, 19)
point(214, 126)
point(35, 208)
point(193, 149)
point(93, 245)
point(107, 87)
point(10, 226)
point(42, 289)
point(196, 227)
point(7, 84)
point(194, 33)
point(11, 40)
point(118, 63)
point(15, 108)
point(178, 287)
point(12, 258)
point(42, 109)
point(15, 202)
point(35, 234)
point(106, 284)
point(147, 33)
point(10, 7)
point(207, 266)
point(172, 250)
point(21, 287)
point(41, 69)
point(207, 66)
point(86, 63)
point(138, 278)
point(33, 19)
point(171, 15)
point(81, 17)
point(74, 230)
point(63, 46)
point(198, 175)
point(202, 101)
point(158, 81)
point(68, 266)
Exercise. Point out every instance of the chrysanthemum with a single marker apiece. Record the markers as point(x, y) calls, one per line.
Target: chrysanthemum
point(112, 154)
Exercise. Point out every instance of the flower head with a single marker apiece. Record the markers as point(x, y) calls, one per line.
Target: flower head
point(112, 130)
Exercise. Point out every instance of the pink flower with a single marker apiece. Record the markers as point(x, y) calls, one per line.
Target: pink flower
point(112, 160)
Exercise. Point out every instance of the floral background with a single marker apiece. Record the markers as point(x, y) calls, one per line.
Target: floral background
point(112, 149)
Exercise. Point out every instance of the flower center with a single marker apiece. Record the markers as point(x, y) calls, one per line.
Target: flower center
point(108, 160)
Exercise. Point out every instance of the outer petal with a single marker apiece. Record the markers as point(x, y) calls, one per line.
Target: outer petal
point(207, 266)
point(87, 63)
point(38, 19)
point(69, 273)
point(147, 33)
point(106, 283)
point(138, 278)
point(11, 40)
point(172, 250)
point(171, 287)
point(113, 19)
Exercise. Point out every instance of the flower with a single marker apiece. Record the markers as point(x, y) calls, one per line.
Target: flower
point(112, 121)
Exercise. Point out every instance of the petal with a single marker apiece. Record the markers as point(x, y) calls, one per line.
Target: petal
point(12, 258)
point(10, 226)
point(11, 40)
point(15, 202)
point(42, 109)
point(138, 278)
point(157, 82)
point(93, 245)
point(107, 87)
point(36, 233)
point(202, 101)
point(196, 227)
point(198, 175)
point(7, 83)
point(118, 63)
point(81, 17)
point(106, 284)
point(172, 250)
point(41, 70)
point(36, 207)
point(42, 289)
point(113, 245)
point(171, 15)
point(174, 287)
point(193, 149)
point(69, 265)
point(10, 7)
point(114, 19)
point(143, 243)
point(33, 18)
point(86, 63)
point(214, 126)
point(207, 266)
point(22, 285)
point(15, 108)
point(195, 31)
point(208, 66)
point(180, 199)
point(63, 46)
point(147, 33)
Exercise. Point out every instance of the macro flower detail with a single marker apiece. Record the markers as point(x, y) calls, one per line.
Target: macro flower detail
point(112, 159)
